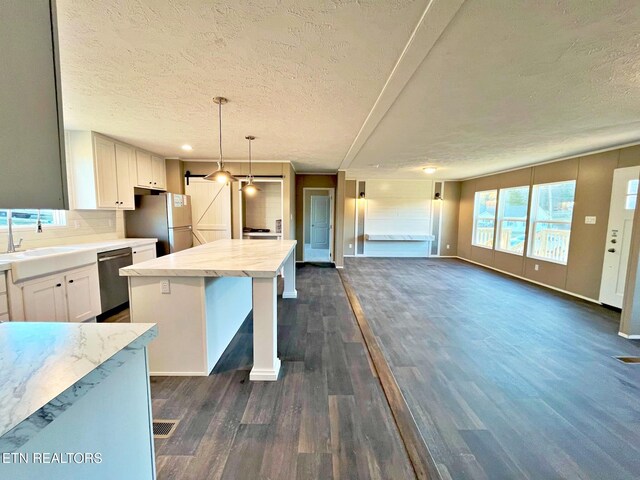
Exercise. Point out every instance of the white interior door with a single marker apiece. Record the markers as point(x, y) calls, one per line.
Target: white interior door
point(616, 256)
point(210, 210)
point(320, 221)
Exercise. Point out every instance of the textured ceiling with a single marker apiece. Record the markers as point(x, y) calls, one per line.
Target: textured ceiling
point(479, 86)
point(511, 83)
point(300, 75)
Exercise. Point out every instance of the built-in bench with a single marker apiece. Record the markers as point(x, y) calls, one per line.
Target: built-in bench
point(371, 237)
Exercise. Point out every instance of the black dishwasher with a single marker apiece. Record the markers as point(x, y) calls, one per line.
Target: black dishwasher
point(114, 289)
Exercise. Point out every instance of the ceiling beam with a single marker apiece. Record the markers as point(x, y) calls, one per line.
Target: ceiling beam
point(435, 19)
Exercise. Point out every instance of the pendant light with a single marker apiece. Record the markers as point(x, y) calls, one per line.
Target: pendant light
point(250, 188)
point(220, 175)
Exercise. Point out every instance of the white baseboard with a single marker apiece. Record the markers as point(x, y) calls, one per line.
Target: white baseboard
point(339, 266)
point(293, 294)
point(629, 337)
point(532, 281)
point(178, 374)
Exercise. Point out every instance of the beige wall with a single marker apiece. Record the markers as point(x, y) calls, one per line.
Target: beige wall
point(175, 176)
point(349, 234)
point(594, 177)
point(339, 228)
point(309, 181)
point(241, 169)
point(449, 223)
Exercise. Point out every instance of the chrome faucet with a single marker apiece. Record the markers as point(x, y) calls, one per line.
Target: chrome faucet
point(11, 246)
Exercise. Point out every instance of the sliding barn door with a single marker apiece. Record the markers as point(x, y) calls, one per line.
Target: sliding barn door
point(210, 210)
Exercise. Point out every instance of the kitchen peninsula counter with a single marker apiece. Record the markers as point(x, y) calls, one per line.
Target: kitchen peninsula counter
point(199, 297)
point(71, 387)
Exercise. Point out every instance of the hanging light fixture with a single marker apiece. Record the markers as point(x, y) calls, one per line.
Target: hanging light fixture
point(220, 175)
point(250, 188)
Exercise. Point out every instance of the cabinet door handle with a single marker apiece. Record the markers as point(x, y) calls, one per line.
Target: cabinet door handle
point(70, 281)
point(58, 284)
point(611, 250)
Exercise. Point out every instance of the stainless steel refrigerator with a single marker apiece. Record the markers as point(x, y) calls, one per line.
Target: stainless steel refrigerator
point(166, 217)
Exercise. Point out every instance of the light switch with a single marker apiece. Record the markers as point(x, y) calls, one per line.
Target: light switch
point(165, 286)
point(536, 267)
point(590, 220)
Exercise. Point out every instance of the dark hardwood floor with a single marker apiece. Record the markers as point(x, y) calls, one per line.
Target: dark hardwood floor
point(326, 417)
point(505, 379)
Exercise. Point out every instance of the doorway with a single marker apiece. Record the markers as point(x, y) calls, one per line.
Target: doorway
point(318, 224)
point(624, 195)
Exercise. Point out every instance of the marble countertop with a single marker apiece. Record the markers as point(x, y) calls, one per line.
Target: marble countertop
point(5, 266)
point(222, 258)
point(46, 367)
point(114, 244)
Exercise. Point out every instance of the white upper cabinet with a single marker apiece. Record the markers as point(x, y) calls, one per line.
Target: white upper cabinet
point(144, 169)
point(151, 171)
point(99, 172)
point(31, 132)
point(126, 170)
point(159, 170)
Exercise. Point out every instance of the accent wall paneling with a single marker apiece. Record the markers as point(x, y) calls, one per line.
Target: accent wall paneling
point(398, 207)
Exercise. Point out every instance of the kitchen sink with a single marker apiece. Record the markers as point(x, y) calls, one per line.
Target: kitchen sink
point(47, 260)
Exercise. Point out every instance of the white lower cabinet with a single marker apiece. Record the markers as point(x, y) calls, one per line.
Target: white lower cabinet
point(83, 294)
point(44, 300)
point(72, 296)
point(144, 253)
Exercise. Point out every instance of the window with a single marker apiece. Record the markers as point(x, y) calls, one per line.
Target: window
point(632, 195)
point(29, 217)
point(551, 213)
point(484, 218)
point(512, 219)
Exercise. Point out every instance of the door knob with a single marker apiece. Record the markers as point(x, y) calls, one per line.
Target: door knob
point(611, 250)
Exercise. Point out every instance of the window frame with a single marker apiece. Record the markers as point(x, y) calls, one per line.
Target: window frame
point(500, 219)
point(533, 221)
point(59, 215)
point(475, 220)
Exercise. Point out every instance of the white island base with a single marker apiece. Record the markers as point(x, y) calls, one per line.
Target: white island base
point(200, 315)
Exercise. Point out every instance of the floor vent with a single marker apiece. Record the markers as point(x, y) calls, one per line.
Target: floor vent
point(164, 428)
point(628, 359)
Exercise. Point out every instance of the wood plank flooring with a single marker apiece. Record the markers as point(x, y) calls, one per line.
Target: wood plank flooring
point(505, 379)
point(325, 418)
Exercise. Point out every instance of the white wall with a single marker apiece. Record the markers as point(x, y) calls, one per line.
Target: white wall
point(398, 207)
point(82, 226)
point(265, 207)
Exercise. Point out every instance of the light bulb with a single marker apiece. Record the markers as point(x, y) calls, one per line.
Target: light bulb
point(222, 177)
point(250, 189)
point(429, 170)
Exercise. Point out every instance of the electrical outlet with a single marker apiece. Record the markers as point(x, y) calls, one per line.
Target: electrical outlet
point(165, 286)
point(590, 220)
point(536, 267)
point(351, 245)
point(448, 246)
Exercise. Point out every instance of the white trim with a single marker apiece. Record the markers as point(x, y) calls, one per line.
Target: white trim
point(597, 302)
point(628, 336)
point(340, 266)
point(293, 294)
point(178, 374)
point(349, 256)
point(332, 194)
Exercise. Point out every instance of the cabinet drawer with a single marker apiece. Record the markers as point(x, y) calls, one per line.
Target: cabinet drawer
point(3, 282)
point(4, 306)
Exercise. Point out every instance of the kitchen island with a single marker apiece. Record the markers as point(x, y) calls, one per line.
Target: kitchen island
point(199, 298)
point(74, 401)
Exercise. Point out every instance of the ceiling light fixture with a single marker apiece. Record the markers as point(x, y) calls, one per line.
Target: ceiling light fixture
point(429, 170)
point(186, 147)
point(249, 188)
point(220, 175)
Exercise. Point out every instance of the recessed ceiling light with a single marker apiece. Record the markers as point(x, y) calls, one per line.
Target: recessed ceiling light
point(429, 170)
point(186, 147)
